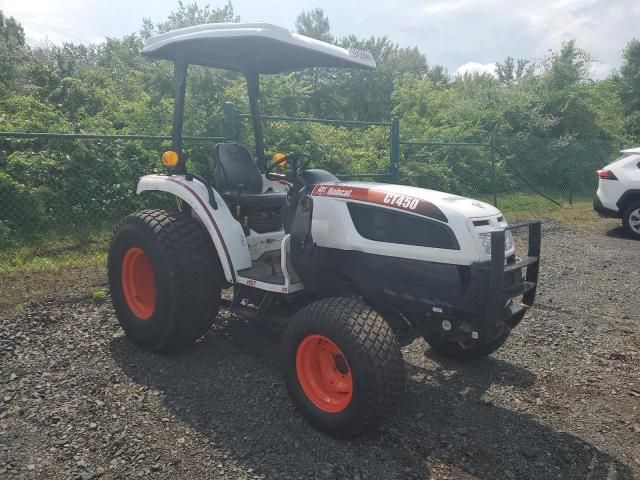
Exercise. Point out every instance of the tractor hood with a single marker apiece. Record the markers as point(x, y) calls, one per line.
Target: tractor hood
point(421, 201)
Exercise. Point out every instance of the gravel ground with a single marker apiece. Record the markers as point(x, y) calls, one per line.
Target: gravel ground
point(560, 400)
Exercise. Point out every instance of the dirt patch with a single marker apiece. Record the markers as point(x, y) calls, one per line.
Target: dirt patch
point(20, 288)
point(560, 400)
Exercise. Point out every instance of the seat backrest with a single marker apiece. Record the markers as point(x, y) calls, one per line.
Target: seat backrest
point(235, 169)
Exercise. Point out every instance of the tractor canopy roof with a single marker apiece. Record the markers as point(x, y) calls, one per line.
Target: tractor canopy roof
point(251, 47)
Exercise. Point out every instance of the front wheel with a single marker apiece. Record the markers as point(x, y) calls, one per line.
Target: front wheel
point(165, 279)
point(631, 219)
point(342, 366)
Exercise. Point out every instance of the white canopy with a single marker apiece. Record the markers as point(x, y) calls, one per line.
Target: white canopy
point(251, 47)
point(631, 151)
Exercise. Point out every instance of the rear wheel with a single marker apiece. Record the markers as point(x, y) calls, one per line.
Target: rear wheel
point(631, 219)
point(165, 279)
point(464, 350)
point(342, 366)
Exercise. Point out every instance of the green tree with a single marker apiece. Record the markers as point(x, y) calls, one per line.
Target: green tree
point(188, 15)
point(315, 24)
point(630, 76)
point(511, 70)
point(566, 68)
point(12, 51)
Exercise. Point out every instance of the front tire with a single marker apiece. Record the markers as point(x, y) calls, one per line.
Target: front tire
point(342, 366)
point(165, 279)
point(631, 219)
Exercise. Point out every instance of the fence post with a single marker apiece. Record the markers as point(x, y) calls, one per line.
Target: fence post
point(230, 122)
point(494, 175)
point(571, 169)
point(395, 149)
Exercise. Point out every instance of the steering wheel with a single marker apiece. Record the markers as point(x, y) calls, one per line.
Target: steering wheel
point(291, 158)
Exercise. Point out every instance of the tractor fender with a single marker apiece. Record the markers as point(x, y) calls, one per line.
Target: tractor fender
point(226, 233)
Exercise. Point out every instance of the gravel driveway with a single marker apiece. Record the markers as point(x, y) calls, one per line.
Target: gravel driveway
point(560, 400)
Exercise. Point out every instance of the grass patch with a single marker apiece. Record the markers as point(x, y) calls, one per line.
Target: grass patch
point(578, 216)
point(55, 253)
point(55, 268)
point(99, 295)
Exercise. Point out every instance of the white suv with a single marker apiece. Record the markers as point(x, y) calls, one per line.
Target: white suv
point(618, 193)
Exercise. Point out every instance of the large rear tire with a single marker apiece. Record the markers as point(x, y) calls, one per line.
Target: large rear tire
point(342, 366)
point(165, 279)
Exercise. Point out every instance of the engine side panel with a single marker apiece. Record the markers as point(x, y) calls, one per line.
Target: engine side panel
point(410, 285)
point(332, 227)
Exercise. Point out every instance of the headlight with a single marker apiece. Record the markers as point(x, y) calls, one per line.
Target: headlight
point(485, 238)
point(508, 241)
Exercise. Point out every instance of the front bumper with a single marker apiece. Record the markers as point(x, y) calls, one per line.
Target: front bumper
point(506, 280)
point(503, 280)
point(604, 211)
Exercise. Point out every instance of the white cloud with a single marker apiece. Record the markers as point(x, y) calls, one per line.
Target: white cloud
point(445, 7)
point(452, 32)
point(599, 70)
point(475, 67)
point(449, 32)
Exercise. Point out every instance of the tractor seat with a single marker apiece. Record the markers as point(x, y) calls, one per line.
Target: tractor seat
point(239, 180)
point(256, 200)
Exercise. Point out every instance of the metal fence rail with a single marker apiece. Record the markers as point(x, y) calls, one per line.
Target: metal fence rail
point(55, 184)
point(559, 171)
point(235, 131)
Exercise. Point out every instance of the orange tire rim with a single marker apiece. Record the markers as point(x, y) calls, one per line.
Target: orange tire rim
point(139, 283)
point(324, 374)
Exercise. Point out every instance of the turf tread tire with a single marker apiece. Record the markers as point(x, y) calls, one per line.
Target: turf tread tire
point(372, 351)
point(188, 271)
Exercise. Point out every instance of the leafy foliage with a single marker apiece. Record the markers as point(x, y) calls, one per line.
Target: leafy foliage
point(541, 118)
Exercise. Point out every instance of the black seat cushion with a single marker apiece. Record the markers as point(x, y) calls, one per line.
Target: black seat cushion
point(236, 170)
point(257, 200)
point(239, 180)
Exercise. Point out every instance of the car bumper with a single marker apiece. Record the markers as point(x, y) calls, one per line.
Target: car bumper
point(604, 211)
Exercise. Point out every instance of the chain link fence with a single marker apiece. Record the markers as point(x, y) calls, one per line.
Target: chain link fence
point(75, 186)
point(509, 169)
point(55, 186)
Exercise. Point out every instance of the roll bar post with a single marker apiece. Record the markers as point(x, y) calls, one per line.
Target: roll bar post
point(180, 81)
point(253, 86)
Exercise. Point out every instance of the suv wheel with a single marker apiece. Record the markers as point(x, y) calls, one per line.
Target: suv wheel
point(631, 219)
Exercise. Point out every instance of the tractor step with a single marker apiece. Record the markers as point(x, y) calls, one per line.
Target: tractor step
point(246, 311)
point(268, 269)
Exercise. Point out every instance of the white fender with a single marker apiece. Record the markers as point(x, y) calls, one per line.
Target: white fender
point(225, 231)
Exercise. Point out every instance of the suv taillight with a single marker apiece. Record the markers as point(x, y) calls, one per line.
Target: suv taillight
point(606, 175)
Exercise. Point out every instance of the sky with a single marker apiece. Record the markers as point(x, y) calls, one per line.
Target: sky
point(463, 35)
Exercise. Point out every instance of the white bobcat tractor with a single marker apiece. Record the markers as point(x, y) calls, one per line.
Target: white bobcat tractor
point(369, 266)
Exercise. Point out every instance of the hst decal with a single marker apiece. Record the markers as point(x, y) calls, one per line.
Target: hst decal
point(387, 199)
